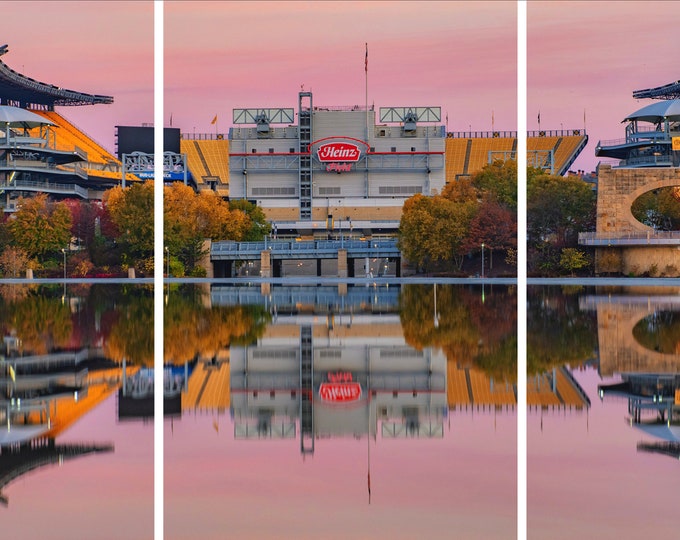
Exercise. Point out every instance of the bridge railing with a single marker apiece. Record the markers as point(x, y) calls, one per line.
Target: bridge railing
point(310, 248)
point(630, 238)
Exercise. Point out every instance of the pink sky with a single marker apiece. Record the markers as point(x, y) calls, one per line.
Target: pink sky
point(93, 47)
point(460, 56)
point(591, 56)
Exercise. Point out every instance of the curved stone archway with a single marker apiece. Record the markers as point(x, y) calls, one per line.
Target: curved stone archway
point(625, 245)
point(617, 190)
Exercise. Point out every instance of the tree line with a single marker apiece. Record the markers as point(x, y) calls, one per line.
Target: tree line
point(477, 215)
point(107, 237)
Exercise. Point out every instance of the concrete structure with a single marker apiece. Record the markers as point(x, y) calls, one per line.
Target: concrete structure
point(336, 166)
point(624, 244)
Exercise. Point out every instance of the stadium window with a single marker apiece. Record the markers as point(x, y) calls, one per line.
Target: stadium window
point(271, 150)
point(291, 150)
point(394, 149)
point(413, 149)
point(254, 151)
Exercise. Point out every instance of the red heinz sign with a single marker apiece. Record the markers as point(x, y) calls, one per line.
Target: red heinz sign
point(336, 392)
point(338, 151)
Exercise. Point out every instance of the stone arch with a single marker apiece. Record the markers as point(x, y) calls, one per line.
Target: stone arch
point(617, 191)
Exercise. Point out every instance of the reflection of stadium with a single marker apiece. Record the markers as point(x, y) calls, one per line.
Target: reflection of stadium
point(42, 395)
point(335, 363)
point(653, 407)
point(337, 382)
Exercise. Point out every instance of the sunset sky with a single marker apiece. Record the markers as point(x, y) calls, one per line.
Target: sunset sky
point(590, 56)
point(93, 47)
point(583, 57)
point(460, 56)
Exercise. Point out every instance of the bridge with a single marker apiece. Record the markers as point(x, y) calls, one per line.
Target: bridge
point(271, 254)
point(623, 244)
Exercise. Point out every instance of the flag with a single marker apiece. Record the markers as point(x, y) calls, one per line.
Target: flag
point(214, 120)
point(366, 60)
point(170, 119)
point(12, 374)
point(539, 118)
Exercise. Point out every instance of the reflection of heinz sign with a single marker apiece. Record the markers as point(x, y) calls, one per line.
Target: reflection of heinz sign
point(338, 151)
point(334, 392)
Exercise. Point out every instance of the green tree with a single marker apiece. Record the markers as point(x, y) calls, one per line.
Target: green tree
point(557, 210)
point(573, 259)
point(131, 211)
point(497, 181)
point(41, 228)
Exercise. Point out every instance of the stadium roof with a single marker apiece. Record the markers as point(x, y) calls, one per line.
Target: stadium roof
point(657, 111)
point(16, 117)
point(667, 91)
point(17, 89)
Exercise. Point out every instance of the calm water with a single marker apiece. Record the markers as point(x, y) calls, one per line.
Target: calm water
point(331, 412)
point(591, 473)
point(73, 463)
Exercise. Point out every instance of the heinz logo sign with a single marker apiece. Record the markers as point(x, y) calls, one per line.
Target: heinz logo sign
point(338, 151)
point(334, 392)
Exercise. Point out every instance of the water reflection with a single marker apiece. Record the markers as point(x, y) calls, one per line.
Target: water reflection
point(315, 368)
point(61, 361)
point(597, 356)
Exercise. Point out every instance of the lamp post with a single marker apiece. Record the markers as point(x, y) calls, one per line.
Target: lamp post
point(167, 261)
point(63, 296)
point(482, 260)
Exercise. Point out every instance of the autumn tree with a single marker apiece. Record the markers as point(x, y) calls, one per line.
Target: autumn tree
point(191, 218)
point(256, 225)
point(41, 228)
point(433, 229)
point(131, 211)
point(659, 208)
point(14, 261)
point(493, 225)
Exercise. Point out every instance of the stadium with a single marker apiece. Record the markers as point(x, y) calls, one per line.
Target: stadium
point(316, 171)
point(289, 171)
point(643, 163)
point(41, 150)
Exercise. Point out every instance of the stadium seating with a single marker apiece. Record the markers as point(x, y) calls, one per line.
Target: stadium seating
point(100, 162)
point(208, 158)
point(466, 156)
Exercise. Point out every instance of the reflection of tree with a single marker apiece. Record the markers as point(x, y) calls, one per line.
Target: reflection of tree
point(41, 321)
point(193, 330)
point(118, 318)
point(131, 334)
point(558, 331)
point(468, 330)
point(659, 332)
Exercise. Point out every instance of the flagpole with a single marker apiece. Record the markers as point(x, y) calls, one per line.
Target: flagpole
point(366, 83)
